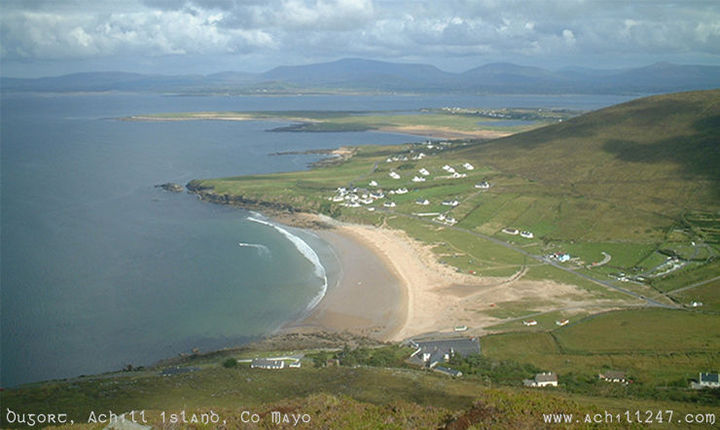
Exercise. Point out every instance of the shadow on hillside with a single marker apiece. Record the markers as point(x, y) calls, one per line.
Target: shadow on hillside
point(698, 154)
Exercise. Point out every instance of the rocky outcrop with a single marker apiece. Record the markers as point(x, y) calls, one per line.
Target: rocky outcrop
point(208, 193)
point(170, 186)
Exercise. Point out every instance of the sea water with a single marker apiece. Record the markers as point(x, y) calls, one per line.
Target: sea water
point(100, 269)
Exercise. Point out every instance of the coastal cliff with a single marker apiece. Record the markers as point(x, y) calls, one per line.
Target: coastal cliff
point(282, 212)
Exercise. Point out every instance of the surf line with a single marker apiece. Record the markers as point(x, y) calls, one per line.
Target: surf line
point(307, 252)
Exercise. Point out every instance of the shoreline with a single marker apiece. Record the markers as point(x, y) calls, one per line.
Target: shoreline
point(413, 130)
point(367, 297)
point(393, 288)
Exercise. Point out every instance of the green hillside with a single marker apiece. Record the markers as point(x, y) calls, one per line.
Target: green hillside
point(631, 191)
point(641, 164)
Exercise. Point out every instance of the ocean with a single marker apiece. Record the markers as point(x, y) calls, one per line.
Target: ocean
point(100, 269)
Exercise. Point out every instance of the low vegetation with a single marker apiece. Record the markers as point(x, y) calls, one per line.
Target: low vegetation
point(629, 193)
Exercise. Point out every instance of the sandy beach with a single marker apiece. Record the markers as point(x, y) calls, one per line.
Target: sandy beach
point(393, 288)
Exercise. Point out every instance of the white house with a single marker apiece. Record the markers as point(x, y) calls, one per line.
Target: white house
point(264, 363)
point(562, 257)
point(373, 184)
point(542, 380)
point(484, 185)
point(458, 175)
point(389, 204)
point(512, 231)
point(452, 203)
point(709, 380)
point(422, 202)
point(562, 322)
point(394, 175)
point(424, 172)
point(613, 376)
point(527, 234)
point(530, 323)
point(418, 179)
point(401, 191)
point(468, 166)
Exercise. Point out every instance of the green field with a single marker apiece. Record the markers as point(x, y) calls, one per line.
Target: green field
point(656, 348)
point(339, 121)
point(707, 294)
point(348, 396)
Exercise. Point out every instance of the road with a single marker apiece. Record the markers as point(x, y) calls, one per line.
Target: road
point(648, 301)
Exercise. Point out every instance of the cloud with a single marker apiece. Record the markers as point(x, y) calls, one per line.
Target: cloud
point(384, 29)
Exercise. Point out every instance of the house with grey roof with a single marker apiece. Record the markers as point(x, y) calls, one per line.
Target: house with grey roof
point(707, 380)
point(431, 352)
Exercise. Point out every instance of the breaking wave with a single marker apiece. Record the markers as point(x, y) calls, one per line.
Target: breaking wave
point(306, 252)
point(261, 249)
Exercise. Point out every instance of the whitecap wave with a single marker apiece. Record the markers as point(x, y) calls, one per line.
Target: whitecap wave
point(306, 252)
point(262, 249)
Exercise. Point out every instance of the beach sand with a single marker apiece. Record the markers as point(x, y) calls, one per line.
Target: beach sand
point(368, 298)
point(392, 288)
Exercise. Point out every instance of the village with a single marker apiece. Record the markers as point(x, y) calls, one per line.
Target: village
point(437, 354)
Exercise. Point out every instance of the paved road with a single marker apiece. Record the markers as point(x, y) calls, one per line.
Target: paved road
point(648, 301)
point(697, 284)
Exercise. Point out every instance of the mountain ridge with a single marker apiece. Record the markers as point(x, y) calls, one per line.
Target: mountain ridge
point(355, 74)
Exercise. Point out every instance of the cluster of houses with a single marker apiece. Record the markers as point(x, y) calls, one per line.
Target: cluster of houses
point(550, 379)
point(354, 197)
point(514, 232)
point(445, 219)
point(545, 379)
point(416, 157)
point(433, 354)
point(454, 173)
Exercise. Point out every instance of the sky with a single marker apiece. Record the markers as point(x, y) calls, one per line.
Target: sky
point(53, 37)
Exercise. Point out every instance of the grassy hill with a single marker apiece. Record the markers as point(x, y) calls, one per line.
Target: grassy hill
point(355, 394)
point(633, 186)
point(657, 154)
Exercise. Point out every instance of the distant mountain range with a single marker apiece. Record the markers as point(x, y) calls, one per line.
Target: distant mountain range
point(359, 75)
